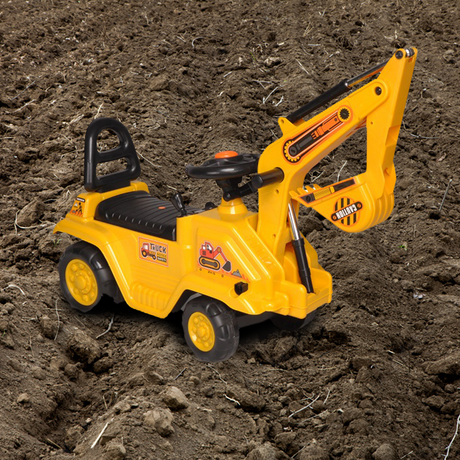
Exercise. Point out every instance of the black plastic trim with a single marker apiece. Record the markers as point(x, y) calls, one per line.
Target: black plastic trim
point(93, 157)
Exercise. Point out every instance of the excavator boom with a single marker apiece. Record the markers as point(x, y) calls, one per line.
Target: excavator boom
point(354, 204)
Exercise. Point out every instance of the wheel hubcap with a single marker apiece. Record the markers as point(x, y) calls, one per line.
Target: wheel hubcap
point(201, 331)
point(81, 282)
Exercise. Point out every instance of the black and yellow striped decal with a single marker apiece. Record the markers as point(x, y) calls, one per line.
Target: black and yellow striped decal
point(346, 211)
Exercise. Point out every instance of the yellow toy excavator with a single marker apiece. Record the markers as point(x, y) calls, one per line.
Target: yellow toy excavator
point(223, 266)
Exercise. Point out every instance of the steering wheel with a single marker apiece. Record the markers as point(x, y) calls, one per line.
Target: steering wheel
point(225, 165)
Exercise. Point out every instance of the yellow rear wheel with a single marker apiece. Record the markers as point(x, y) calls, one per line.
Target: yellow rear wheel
point(81, 282)
point(85, 277)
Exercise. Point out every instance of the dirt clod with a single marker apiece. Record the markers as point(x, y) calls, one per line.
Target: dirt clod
point(314, 452)
point(114, 451)
point(30, 214)
point(248, 400)
point(174, 398)
point(48, 327)
point(161, 420)
point(263, 452)
point(83, 347)
point(154, 378)
point(284, 441)
point(447, 365)
point(72, 436)
point(385, 452)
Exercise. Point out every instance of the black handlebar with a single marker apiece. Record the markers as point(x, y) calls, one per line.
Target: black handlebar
point(267, 178)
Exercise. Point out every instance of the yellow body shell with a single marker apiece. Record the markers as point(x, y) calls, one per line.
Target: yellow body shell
point(155, 284)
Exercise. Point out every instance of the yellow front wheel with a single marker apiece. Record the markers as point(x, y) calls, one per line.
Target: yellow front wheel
point(201, 332)
point(210, 329)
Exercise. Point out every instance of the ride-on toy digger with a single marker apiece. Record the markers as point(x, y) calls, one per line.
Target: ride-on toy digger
point(223, 266)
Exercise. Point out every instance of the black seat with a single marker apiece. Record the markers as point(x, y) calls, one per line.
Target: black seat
point(141, 212)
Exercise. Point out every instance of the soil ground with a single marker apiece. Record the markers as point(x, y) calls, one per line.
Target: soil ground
point(379, 367)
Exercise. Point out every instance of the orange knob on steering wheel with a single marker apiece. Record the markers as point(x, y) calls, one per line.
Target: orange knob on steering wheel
point(226, 154)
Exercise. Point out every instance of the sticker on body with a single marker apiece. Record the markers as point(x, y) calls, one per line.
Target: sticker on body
point(153, 251)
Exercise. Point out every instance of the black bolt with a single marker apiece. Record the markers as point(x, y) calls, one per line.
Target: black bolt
point(399, 54)
point(378, 91)
point(345, 114)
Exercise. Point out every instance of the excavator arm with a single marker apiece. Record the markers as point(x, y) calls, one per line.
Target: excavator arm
point(354, 204)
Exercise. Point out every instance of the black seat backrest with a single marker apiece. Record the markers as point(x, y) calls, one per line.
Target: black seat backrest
point(93, 157)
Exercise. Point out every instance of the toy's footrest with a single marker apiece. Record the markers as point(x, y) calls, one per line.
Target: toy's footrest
point(141, 212)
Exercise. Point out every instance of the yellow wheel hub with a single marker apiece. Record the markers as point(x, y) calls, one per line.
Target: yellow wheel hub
point(81, 282)
point(201, 332)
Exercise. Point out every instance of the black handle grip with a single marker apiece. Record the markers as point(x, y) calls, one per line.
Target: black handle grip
point(267, 178)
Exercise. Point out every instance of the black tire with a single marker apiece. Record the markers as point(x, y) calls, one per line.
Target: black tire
point(289, 323)
point(217, 320)
point(92, 279)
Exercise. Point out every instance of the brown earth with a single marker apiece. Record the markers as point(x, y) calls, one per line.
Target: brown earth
point(379, 368)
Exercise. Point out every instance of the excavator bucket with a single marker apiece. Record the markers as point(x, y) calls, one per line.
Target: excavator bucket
point(349, 204)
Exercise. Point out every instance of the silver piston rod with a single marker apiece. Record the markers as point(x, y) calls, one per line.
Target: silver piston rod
point(298, 244)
